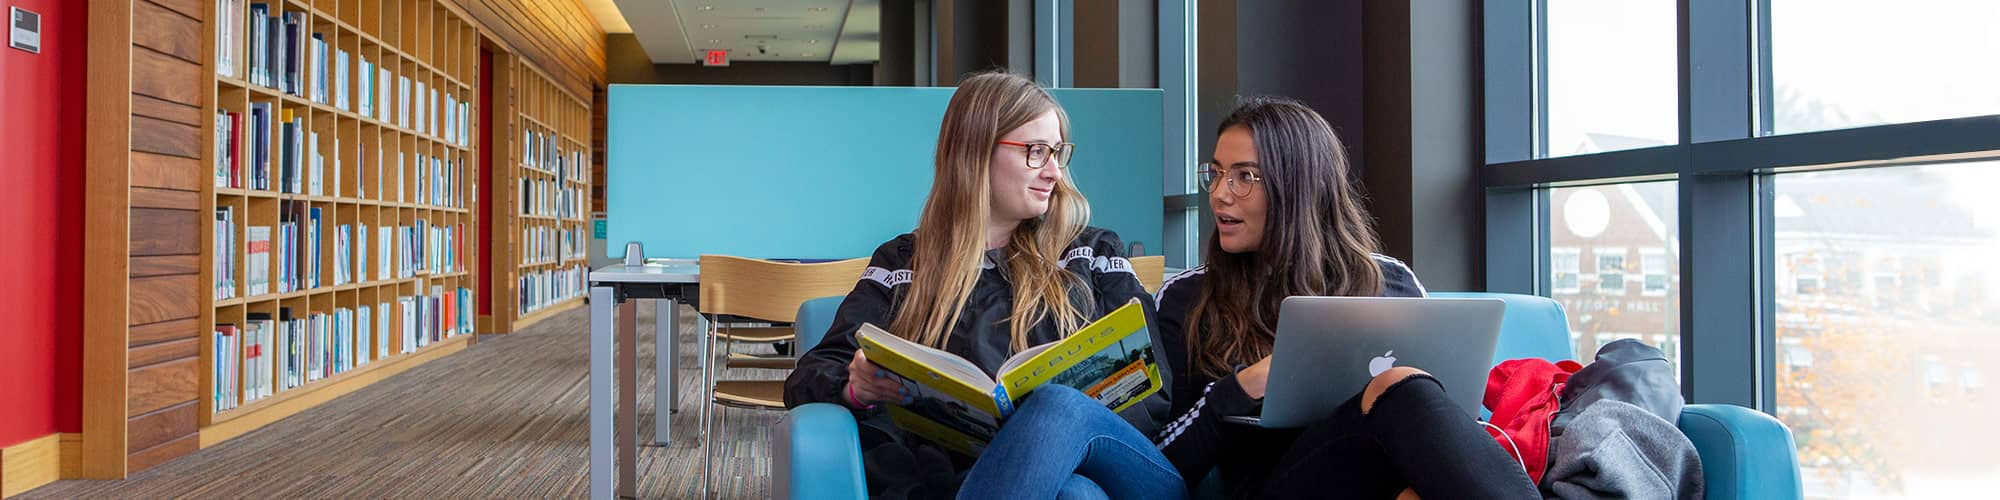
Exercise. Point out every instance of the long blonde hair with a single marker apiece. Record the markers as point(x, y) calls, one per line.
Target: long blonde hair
point(951, 235)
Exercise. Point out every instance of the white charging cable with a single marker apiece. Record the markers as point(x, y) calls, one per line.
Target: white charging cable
point(1510, 444)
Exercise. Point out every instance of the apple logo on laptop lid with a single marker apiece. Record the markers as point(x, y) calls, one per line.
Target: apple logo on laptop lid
point(1381, 363)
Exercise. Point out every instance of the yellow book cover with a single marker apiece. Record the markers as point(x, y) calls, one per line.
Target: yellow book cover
point(954, 403)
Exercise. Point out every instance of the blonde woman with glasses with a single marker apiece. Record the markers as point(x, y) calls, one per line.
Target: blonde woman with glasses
point(1001, 259)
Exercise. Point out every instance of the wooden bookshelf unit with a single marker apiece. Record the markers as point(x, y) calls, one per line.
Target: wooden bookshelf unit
point(375, 198)
point(545, 257)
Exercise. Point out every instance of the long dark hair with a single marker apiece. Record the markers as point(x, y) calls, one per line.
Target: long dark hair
point(1318, 240)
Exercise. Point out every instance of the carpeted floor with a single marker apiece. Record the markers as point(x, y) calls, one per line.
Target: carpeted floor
point(505, 418)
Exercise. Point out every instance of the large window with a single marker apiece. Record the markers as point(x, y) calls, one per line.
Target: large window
point(1598, 227)
point(1888, 400)
point(1610, 76)
point(1851, 63)
point(1816, 224)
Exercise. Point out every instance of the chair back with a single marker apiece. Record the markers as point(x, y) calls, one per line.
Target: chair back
point(1534, 326)
point(814, 319)
point(769, 290)
point(1152, 270)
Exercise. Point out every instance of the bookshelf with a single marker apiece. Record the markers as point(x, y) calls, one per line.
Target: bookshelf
point(545, 257)
point(341, 210)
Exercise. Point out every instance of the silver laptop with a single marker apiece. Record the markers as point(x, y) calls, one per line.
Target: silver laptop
point(1328, 348)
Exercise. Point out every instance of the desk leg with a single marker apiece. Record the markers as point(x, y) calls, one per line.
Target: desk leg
point(666, 329)
point(628, 396)
point(602, 467)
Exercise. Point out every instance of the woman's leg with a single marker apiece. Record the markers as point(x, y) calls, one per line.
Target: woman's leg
point(1400, 432)
point(1438, 448)
point(1059, 434)
point(1081, 488)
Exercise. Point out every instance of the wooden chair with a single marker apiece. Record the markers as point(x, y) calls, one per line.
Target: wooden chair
point(1152, 270)
point(737, 289)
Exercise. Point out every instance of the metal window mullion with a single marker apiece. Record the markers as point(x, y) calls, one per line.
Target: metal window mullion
point(1722, 337)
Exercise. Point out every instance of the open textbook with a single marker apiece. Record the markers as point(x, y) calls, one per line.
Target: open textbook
point(954, 403)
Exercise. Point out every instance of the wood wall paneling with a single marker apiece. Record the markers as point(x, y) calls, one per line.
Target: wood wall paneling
point(144, 459)
point(153, 354)
point(165, 265)
point(162, 385)
point(163, 426)
point(165, 232)
point(165, 298)
point(167, 172)
point(558, 35)
point(168, 32)
point(165, 331)
point(153, 135)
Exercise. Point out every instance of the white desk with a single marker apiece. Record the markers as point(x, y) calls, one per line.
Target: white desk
point(667, 282)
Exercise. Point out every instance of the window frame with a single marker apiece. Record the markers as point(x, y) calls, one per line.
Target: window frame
point(1646, 274)
point(1575, 271)
point(1722, 163)
point(1597, 256)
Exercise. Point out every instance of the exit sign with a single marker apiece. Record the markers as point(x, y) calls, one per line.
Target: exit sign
point(715, 57)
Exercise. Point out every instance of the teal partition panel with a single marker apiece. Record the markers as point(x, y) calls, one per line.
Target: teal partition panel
point(832, 172)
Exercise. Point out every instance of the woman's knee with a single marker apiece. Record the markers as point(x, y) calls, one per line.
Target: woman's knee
point(1058, 402)
point(1383, 381)
point(1081, 488)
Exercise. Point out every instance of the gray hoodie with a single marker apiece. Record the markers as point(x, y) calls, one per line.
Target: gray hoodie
point(1615, 435)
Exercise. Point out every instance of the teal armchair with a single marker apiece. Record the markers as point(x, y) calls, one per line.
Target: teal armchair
point(1745, 454)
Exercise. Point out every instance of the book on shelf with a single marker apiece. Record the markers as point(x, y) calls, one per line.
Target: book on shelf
point(257, 260)
point(364, 86)
point(227, 123)
point(360, 250)
point(257, 354)
point(954, 403)
point(316, 61)
point(382, 95)
point(225, 252)
point(223, 374)
point(384, 251)
point(312, 250)
point(363, 335)
point(382, 328)
point(403, 101)
point(315, 166)
point(293, 45)
point(260, 145)
point(228, 36)
point(340, 60)
point(340, 254)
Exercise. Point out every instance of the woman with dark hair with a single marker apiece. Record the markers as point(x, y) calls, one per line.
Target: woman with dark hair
point(1289, 222)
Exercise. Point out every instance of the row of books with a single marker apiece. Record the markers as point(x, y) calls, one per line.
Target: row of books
point(547, 287)
point(549, 198)
point(268, 355)
point(545, 151)
point(225, 256)
point(283, 55)
point(419, 247)
point(303, 164)
point(544, 244)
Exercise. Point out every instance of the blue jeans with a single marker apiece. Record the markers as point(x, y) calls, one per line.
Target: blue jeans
point(1063, 444)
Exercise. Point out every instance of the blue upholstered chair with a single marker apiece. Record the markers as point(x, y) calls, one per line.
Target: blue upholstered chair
point(1745, 454)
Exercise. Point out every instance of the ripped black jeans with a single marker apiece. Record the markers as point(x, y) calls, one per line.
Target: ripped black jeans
point(1414, 437)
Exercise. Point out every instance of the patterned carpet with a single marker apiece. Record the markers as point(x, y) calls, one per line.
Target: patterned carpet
point(505, 418)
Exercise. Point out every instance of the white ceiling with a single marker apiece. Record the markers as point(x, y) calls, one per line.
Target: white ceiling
point(679, 31)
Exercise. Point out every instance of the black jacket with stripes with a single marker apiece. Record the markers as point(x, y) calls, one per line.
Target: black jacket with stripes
point(901, 465)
